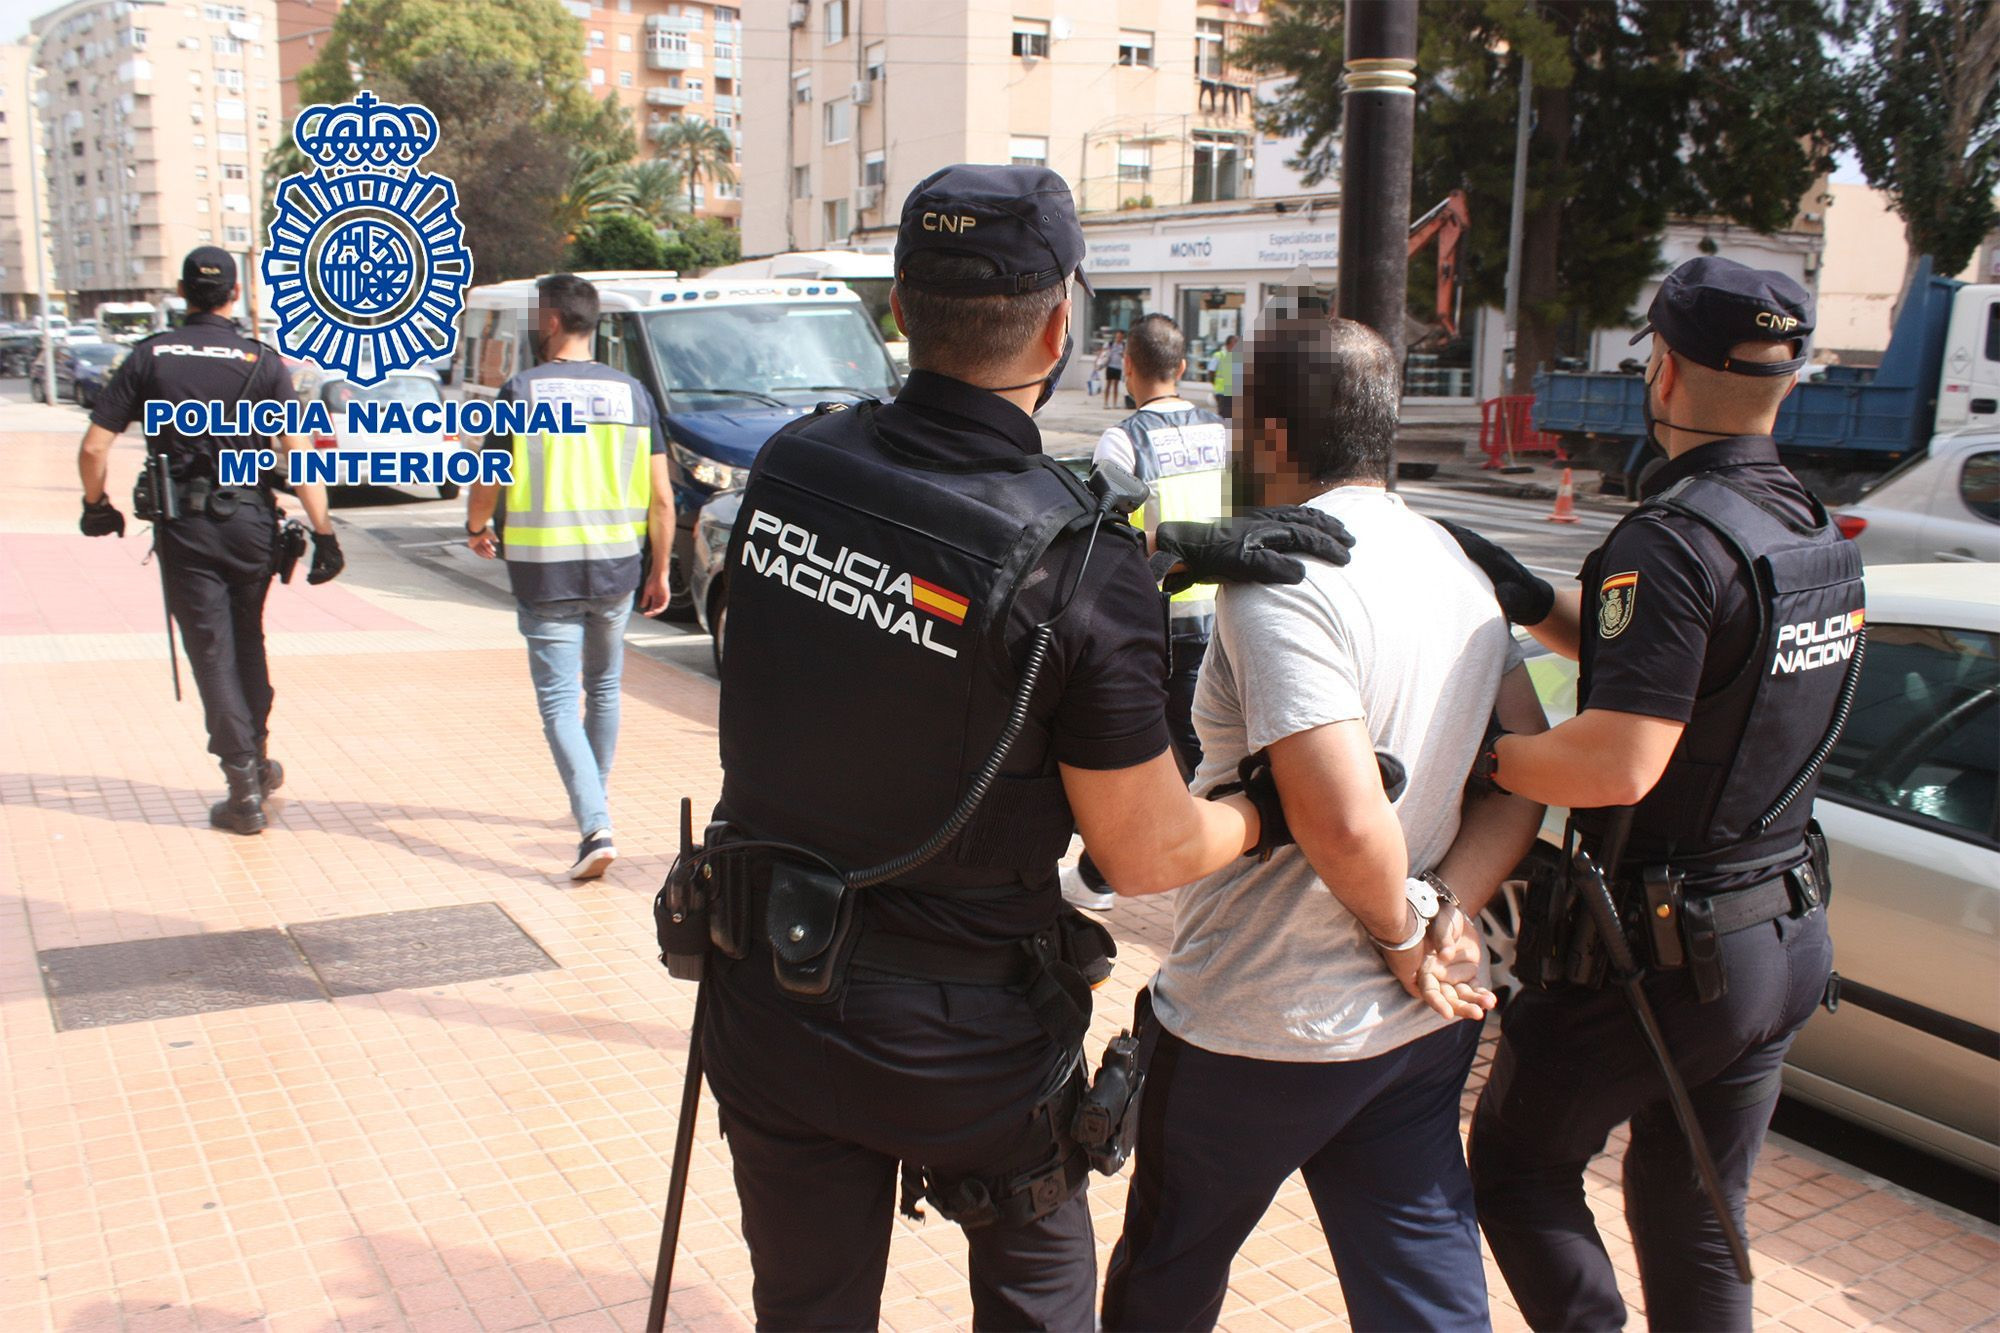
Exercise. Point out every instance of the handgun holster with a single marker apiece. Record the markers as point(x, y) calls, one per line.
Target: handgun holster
point(809, 923)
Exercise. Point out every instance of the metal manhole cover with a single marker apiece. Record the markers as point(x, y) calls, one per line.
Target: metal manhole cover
point(136, 981)
point(361, 955)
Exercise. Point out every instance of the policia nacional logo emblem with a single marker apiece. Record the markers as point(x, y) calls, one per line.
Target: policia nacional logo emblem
point(367, 263)
point(1614, 604)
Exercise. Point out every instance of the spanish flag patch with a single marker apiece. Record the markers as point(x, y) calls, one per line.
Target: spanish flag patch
point(940, 602)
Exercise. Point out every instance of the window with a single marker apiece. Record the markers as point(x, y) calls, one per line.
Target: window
point(1208, 48)
point(1135, 48)
point(836, 220)
point(802, 185)
point(877, 61)
point(1979, 485)
point(200, 174)
point(236, 203)
point(624, 78)
point(624, 41)
point(839, 116)
point(231, 143)
point(234, 171)
point(1135, 162)
point(835, 14)
point(802, 87)
point(597, 78)
point(1218, 165)
point(1031, 38)
point(1027, 150)
point(225, 14)
point(875, 169)
point(1993, 331)
point(611, 343)
point(201, 204)
point(231, 79)
point(596, 38)
point(1923, 740)
point(236, 235)
point(229, 108)
point(728, 14)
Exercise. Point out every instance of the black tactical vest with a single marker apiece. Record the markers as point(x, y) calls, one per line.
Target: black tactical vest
point(1749, 737)
point(868, 673)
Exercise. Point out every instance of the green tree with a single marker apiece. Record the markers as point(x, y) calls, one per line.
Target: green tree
point(712, 242)
point(1922, 110)
point(1642, 112)
point(372, 40)
point(617, 241)
point(656, 189)
point(697, 149)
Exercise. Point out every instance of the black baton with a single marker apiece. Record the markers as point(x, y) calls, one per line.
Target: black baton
point(1604, 913)
point(677, 1181)
point(166, 509)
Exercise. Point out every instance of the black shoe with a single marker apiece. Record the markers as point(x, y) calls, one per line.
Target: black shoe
point(242, 811)
point(594, 856)
point(270, 775)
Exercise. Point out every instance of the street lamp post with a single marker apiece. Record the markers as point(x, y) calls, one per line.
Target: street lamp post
point(35, 169)
point(1378, 124)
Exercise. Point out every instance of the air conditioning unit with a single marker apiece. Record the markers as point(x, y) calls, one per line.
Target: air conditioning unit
point(867, 197)
point(798, 13)
point(862, 91)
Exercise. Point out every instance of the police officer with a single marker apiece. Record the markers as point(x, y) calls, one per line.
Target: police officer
point(218, 556)
point(915, 589)
point(1716, 628)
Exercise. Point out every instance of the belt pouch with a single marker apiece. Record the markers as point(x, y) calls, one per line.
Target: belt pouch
point(1663, 915)
point(1704, 949)
point(809, 922)
point(222, 504)
point(1542, 912)
point(729, 903)
point(1815, 883)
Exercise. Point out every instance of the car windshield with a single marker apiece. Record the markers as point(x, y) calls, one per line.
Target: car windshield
point(745, 354)
point(395, 389)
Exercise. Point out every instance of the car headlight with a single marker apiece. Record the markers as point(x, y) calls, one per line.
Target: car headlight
point(708, 472)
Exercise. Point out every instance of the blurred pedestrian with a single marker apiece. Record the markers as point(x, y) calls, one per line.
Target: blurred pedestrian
point(1114, 366)
point(1222, 376)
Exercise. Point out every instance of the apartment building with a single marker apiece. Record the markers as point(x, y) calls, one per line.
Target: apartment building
point(22, 253)
point(302, 30)
point(1136, 104)
point(667, 59)
point(157, 118)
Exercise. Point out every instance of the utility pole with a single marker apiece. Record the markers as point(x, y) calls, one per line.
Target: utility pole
point(42, 257)
point(1378, 125)
point(1523, 118)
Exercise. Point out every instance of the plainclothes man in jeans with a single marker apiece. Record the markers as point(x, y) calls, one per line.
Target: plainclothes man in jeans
point(1182, 453)
point(581, 510)
point(1319, 1010)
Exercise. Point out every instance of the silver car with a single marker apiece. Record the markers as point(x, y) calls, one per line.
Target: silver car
point(1910, 801)
point(1942, 504)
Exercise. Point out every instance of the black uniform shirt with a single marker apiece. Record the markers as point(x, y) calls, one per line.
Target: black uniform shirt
point(1674, 609)
point(1101, 700)
point(205, 359)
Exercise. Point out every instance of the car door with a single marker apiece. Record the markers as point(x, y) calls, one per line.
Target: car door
point(1964, 523)
point(1910, 802)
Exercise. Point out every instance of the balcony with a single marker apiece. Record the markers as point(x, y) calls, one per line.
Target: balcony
point(673, 59)
point(732, 104)
point(670, 97)
point(673, 23)
point(725, 67)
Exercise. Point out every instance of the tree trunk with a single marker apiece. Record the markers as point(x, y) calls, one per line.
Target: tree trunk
point(1541, 282)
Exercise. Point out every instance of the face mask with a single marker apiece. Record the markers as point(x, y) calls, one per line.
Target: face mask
point(1048, 382)
point(1654, 445)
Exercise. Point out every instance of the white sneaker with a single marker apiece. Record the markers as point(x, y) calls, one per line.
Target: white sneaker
point(1079, 894)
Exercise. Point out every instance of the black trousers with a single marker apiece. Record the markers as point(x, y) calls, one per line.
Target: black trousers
point(1572, 1065)
point(821, 1102)
point(218, 572)
point(1377, 1141)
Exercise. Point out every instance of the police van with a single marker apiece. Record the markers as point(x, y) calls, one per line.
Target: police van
point(728, 362)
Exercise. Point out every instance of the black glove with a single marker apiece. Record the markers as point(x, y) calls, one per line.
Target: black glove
point(1257, 547)
point(1524, 598)
point(327, 559)
point(1254, 780)
point(101, 519)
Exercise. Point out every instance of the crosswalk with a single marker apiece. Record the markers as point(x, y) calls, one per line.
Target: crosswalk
point(1553, 550)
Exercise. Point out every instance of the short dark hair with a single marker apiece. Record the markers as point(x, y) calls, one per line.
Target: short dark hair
point(963, 336)
point(206, 294)
point(572, 298)
point(1336, 386)
point(1154, 348)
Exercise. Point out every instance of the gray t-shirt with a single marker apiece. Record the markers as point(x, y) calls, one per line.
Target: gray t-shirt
point(1266, 962)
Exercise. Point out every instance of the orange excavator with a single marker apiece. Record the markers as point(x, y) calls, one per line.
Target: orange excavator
point(1446, 224)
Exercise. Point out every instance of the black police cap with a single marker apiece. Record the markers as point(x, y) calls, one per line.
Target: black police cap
point(1022, 219)
point(1709, 304)
point(209, 264)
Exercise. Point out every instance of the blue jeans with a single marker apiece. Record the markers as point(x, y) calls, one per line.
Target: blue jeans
point(571, 640)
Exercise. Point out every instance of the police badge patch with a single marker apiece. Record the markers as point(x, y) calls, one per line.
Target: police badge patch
point(367, 263)
point(1614, 604)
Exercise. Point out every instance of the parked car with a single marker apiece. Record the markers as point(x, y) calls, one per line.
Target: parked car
point(1910, 802)
point(18, 350)
point(81, 368)
point(1941, 504)
point(401, 386)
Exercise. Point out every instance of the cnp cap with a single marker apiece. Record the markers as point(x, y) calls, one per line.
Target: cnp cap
point(208, 264)
point(1708, 305)
point(1020, 218)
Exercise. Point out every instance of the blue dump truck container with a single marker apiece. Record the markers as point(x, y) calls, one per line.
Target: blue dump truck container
point(1851, 420)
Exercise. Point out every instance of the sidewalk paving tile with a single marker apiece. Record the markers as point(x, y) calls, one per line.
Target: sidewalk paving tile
point(490, 1153)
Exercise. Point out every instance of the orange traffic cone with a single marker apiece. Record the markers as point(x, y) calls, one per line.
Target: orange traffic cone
point(1565, 511)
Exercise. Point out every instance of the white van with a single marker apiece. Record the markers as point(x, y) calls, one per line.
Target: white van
point(870, 274)
point(727, 361)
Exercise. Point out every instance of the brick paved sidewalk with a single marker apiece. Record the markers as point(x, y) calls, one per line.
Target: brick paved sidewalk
point(487, 1154)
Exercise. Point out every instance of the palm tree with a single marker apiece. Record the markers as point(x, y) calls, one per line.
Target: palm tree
point(697, 149)
point(597, 185)
point(655, 185)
